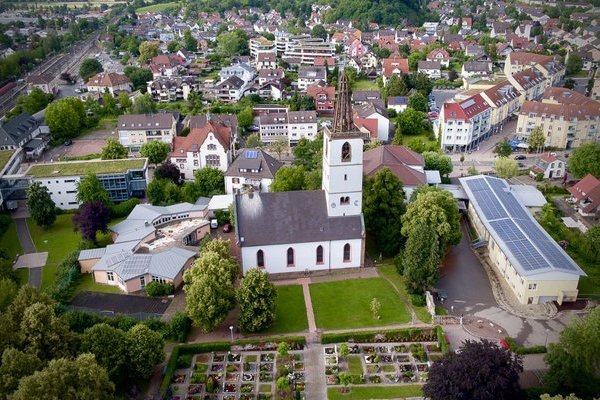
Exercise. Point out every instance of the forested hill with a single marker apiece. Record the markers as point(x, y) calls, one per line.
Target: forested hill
point(386, 12)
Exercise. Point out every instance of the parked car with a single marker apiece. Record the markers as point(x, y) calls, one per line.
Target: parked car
point(520, 157)
point(227, 228)
point(68, 142)
point(214, 223)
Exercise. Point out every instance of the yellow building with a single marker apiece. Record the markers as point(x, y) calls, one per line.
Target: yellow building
point(552, 69)
point(567, 118)
point(505, 101)
point(521, 252)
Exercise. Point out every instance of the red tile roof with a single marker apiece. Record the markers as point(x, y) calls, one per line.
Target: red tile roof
point(399, 160)
point(194, 140)
point(587, 189)
point(390, 65)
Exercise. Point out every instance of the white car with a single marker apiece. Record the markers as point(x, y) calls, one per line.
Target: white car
point(214, 223)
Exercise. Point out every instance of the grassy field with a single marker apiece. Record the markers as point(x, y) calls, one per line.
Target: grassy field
point(48, 276)
point(5, 155)
point(61, 239)
point(10, 241)
point(157, 7)
point(355, 365)
point(346, 304)
point(85, 167)
point(409, 140)
point(291, 310)
point(375, 392)
point(365, 84)
point(389, 271)
point(105, 124)
point(86, 282)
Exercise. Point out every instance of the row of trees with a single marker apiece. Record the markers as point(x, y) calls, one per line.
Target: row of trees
point(211, 294)
point(42, 357)
point(166, 188)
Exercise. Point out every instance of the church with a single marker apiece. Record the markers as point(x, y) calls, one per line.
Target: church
point(310, 230)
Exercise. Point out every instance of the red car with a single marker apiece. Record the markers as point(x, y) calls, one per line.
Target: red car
point(227, 228)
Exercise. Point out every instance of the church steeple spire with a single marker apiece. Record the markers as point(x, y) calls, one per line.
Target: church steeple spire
point(342, 118)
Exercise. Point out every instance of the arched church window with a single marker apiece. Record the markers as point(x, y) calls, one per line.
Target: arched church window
point(319, 254)
point(345, 200)
point(260, 259)
point(346, 152)
point(290, 257)
point(347, 252)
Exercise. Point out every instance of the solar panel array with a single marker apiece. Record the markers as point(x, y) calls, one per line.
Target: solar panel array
point(524, 238)
point(251, 154)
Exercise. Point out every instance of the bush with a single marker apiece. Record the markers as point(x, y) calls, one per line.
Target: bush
point(418, 300)
point(184, 360)
point(518, 349)
point(68, 273)
point(123, 209)
point(395, 335)
point(5, 221)
point(156, 289)
point(159, 326)
point(441, 338)
point(180, 326)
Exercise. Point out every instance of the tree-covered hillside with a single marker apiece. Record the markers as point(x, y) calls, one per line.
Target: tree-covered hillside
point(386, 12)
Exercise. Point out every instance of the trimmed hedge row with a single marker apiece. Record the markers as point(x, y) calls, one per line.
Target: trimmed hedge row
point(395, 335)
point(442, 340)
point(518, 349)
point(288, 339)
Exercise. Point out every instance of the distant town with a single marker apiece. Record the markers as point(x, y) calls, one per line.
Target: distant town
point(300, 200)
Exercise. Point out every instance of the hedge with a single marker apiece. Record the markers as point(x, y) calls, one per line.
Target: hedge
point(442, 340)
point(395, 335)
point(68, 274)
point(518, 349)
point(287, 339)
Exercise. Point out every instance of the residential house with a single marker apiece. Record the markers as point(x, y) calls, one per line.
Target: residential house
point(270, 75)
point(324, 96)
point(397, 103)
point(259, 45)
point(440, 55)
point(310, 75)
point(405, 164)
point(549, 166)
point(586, 194)
point(464, 125)
point(24, 132)
point(266, 60)
point(165, 89)
point(43, 82)
point(291, 125)
point(500, 29)
point(136, 129)
point(272, 90)
point(394, 66)
point(373, 120)
point(553, 70)
point(505, 101)
point(207, 145)
point(365, 96)
point(230, 90)
point(243, 71)
point(476, 68)
point(167, 65)
point(253, 169)
point(109, 82)
point(433, 69)
point(531, 83)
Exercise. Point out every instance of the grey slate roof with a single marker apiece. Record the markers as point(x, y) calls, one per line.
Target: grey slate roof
point(17, 130)
point(291, 217)
point(160, 120)
point(266, 165)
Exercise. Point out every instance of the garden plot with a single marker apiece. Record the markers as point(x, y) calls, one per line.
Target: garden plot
point(248, 372)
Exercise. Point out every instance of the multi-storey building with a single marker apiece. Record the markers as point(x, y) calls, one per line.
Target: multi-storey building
point(504, 99)
point(123, 179)
point(291, 125)
point(167, 89)
point(136, 129)
point(304, 50)
point(464, 125)
point(324, 96)
point(253, 169)
point(567, 118)
point(110, 82)
point(530, 82)
point(552, 70)
point(310, 75)
point(260, 44)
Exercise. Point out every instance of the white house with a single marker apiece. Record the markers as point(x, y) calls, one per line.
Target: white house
point(209, 145)
point(373, 118)
point(293, 125)
point(253, 169)
point(310, 75)
point(136, 129)
point(550, 166)
point(433, 69)
point(243, 71)
point(464, 125)
point(316, 230)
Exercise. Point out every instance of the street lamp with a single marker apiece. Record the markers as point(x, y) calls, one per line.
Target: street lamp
point(546, 341)
point(231, 330)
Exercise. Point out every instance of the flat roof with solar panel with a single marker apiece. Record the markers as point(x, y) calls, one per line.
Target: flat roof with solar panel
point(528, 247)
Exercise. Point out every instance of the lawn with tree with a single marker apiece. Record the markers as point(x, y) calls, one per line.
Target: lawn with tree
point(114, 150)
point(156, 151)
point(41, 206)
point(290, 310)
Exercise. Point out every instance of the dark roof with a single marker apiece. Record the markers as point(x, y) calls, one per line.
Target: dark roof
point(254, 159)
point(291, 217)
point(17, 129)
point(365, 95)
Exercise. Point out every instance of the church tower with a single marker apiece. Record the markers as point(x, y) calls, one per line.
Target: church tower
point(343, 158)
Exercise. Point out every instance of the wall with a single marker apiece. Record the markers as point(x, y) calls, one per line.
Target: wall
point(275, 256)
point(86, 265)
point(63, 190)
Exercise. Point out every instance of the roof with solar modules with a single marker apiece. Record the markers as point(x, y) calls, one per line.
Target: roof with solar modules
point(528, 247)
point(254, 163)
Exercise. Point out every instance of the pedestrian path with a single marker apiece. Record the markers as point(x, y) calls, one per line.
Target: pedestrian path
point(310, 314)
point(35, 273)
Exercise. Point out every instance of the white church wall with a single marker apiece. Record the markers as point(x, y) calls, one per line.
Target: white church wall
point(305, 256)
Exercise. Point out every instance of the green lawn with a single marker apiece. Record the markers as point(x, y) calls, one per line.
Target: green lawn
point(157, 7)
point(291, 310)
point(48, 276)
point(365, 84)
point(346, 304)
point(61, 239)
point(22, 276)
point(5, 155)
point(425, 144)
point(85, 167)
point(355, 365)
point(375, 392)
point(86, 282)
point(10, 241)
point(389, 271)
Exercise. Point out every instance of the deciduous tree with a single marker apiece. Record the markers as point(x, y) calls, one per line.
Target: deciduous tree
point(592, 242)
point(256, 297)
point(319, 31)
point(113, 150)
point(156, 151)
point(143, 105)
point(536, 139)
point(33, 102)
point(139, 77)
point(66, 117)
point(16, 365)
point(109, 346)
point(421, 259)
point(383, 207)
point(253, 141)
point(288, 179)
point(481, 371)
point(279, 146)
point(90, 189)
point(44, 334)
point(503, 148)
point(585, 160)
point(233, 43)
point(438, 162)
point(395, 86)
point(418, 101)
point(41, 206)
point(78, 379)
point(144, 350)
point(90, 67)
point(246, 118)
point(148, 50)
point(8, 291)
point(410, 122)
point(210, 181)
point(308, 153)
point(167, 170)
point(91, 218)
point(506, 167)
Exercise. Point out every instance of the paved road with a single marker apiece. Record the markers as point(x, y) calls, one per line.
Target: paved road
point(35, 274)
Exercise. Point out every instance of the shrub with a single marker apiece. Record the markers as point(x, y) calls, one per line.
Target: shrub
point(180, 326)
point(5, 221)
point(418, 300)
point(159, 326)
point(123, 209)
point(184, 360)
point(67, 273)
point(518, 349)
point(156, 289)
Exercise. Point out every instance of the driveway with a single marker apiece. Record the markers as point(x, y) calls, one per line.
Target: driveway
point(469, 292)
